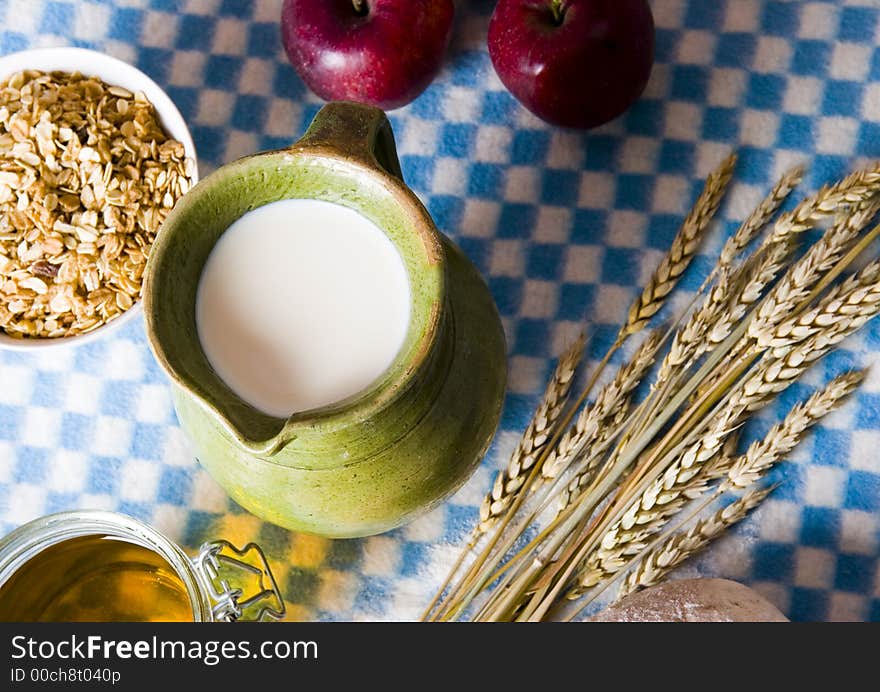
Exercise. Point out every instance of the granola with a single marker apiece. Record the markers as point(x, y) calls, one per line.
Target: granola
point(87, 175)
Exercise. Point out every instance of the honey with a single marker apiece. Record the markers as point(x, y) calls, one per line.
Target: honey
point(95, 578)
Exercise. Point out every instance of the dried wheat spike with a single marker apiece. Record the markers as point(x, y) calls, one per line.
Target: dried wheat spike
point(785, 436)
point(654, 567)
point(856, 188)
point(690, 340)
point(684, 247)
point(598, 419)
point(748, 283)
point(533, 441)
point(706, 459)
point(650, 511)
point(734, 292)
point(761, 216)
point(680, 482)
point(855, 299)
point(795, 286)
point(750, 280)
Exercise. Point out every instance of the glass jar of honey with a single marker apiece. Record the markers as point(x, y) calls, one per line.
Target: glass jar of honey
point(94, 566)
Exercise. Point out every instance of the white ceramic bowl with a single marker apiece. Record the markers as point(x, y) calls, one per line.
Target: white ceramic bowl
point(114, 72)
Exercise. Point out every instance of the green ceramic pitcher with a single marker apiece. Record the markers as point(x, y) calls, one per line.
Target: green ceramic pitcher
point(378, 459)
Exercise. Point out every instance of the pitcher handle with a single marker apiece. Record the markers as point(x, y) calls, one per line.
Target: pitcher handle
point(359, 131)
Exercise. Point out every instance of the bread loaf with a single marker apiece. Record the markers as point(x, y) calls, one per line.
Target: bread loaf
point(693, 600)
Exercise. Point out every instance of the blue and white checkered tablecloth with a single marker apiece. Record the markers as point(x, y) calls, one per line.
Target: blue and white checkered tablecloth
point(564, 226)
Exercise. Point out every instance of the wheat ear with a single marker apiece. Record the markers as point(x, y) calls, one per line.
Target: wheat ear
point(597, 419)
point(651, 510)
point(510, 480)
point(795, 286)
point(760, 217)
point(726, 303)
point(680, 546)
point(736, 289)
point(663, 280)
point(856, 299)
point(856, 188)
point(747, 469)
point(785, 436)
point(684, 247)
point(664, 496)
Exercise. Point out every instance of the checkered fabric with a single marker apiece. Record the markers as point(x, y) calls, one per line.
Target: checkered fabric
point(564, 226)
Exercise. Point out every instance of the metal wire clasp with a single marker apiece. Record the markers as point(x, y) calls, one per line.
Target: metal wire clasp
point(224, 570)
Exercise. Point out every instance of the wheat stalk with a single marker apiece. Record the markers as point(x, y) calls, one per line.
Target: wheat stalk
point(690, 338)
point(749, 279)
point(680, 546)
point(725, 304)
point(667, 494)
point(743, 472)
point(663, 280)
point(735, 292)
point(597, 420)
point(651, 510)
point(537, 434)
point(589, 465)
point(528, 454)
point(663, 497)
point(684, 247)
point(738, 471)
point(621, 472)
point(647, 514)
point(748, 283)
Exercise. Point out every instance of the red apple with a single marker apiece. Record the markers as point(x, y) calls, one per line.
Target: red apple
point(381, 52)
point(574, 63)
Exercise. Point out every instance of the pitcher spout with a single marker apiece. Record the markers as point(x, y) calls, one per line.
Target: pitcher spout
point(270, 447)
point(253, 431)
